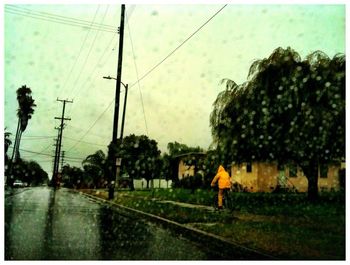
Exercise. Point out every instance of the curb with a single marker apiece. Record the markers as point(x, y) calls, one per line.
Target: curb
point(226, 249)
point(13, 192)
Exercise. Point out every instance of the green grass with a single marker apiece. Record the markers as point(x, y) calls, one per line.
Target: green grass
point(285, 225)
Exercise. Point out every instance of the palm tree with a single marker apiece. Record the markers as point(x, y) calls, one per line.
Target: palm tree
point(7, 140)
point(95, 165)
point(24, 113)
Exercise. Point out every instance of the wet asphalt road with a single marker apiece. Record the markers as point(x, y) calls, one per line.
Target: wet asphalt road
point(43, 224)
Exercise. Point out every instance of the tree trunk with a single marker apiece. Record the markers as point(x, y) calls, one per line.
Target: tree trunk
point(132, 187)
point(16, 140)
point(18, 143)
point(311, 173)
point(9, 179)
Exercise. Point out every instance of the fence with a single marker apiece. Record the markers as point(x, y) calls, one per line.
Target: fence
point(153, 183)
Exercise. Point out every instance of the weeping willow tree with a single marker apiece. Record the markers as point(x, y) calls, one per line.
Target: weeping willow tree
point(289, 109)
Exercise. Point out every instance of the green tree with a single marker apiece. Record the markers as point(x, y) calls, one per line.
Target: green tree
point(7, 141)
point(72, 177)
point(24, 113)
point(35, 175)
point(94, 168)
point(7, 144)
point(288, 110)
point(139, 157)
point(30, 172)
point(176, 149)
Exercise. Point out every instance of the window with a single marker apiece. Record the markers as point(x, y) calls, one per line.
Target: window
point(280, 167)
point(293, 171)
point(249, 167)
point(323, 171)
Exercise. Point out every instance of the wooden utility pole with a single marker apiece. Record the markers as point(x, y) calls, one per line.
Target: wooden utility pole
point(113, 157)
point(59, 142)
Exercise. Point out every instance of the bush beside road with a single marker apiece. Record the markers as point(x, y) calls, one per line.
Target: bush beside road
point(283, 225)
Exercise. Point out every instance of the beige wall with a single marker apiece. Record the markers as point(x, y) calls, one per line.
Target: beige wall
point(268, 176)
point(185, 170)
point(300, 182)
point(332, 180)
point(264, 178)
point(246, 179)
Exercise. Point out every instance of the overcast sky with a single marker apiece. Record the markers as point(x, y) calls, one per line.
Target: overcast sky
point(172, 102)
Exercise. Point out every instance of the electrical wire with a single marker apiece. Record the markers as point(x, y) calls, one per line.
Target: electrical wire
point(85, 25)
point(151, 70)
point(99, 117)
point(178, 47)
point(33, 152)
point(88, 55)
point(81, 48)
point(137, 75)
point(69, 138)
point(32, 136)
point(46, 14)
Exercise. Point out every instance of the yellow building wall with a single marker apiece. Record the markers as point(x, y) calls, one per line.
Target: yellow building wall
point(332, 180)
point(300, 182)
point(184, 170)
point(264, 178)
point(267, 176)
point(246, 179)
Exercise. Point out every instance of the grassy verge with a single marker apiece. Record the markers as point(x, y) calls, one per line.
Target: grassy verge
point(285, 225)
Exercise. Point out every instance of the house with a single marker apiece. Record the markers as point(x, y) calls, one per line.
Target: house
point(267, 176)
point(185, 170)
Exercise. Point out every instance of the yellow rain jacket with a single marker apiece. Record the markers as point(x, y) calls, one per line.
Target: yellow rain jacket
point(223, 177)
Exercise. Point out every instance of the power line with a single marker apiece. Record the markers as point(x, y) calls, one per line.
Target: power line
point(99, 117)
point(83, 141)
point(62, 23)
point(87, 57)
point(40, 136)
point(137, 75)
point(33, 152)
point(38, 153)
point(178, 47)
point(171, 53)
point(84, 24)
point(36, 139)
point(46, 14)
point(81, 48)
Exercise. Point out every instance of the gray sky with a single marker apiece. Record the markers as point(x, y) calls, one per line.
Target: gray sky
point(171, 103)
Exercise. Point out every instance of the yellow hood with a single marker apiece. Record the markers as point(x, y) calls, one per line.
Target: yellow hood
point(221, 168)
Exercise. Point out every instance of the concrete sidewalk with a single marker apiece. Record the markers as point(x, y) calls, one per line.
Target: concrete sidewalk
point(229, 249)
point(188, 205)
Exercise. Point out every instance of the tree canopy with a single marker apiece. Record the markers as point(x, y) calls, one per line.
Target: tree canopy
point(288, 110)
point(140, 156)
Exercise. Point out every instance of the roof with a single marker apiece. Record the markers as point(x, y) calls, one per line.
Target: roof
point(191, 153)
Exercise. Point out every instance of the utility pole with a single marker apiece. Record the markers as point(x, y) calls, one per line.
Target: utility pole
point(59, 142)
point(62, 161)
point(55, 159)
point(113, 157)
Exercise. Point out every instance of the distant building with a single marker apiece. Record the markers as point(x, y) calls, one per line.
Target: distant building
point(185, 170)
point(266, 177)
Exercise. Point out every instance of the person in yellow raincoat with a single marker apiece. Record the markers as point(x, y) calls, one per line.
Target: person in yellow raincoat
point(223, 179)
